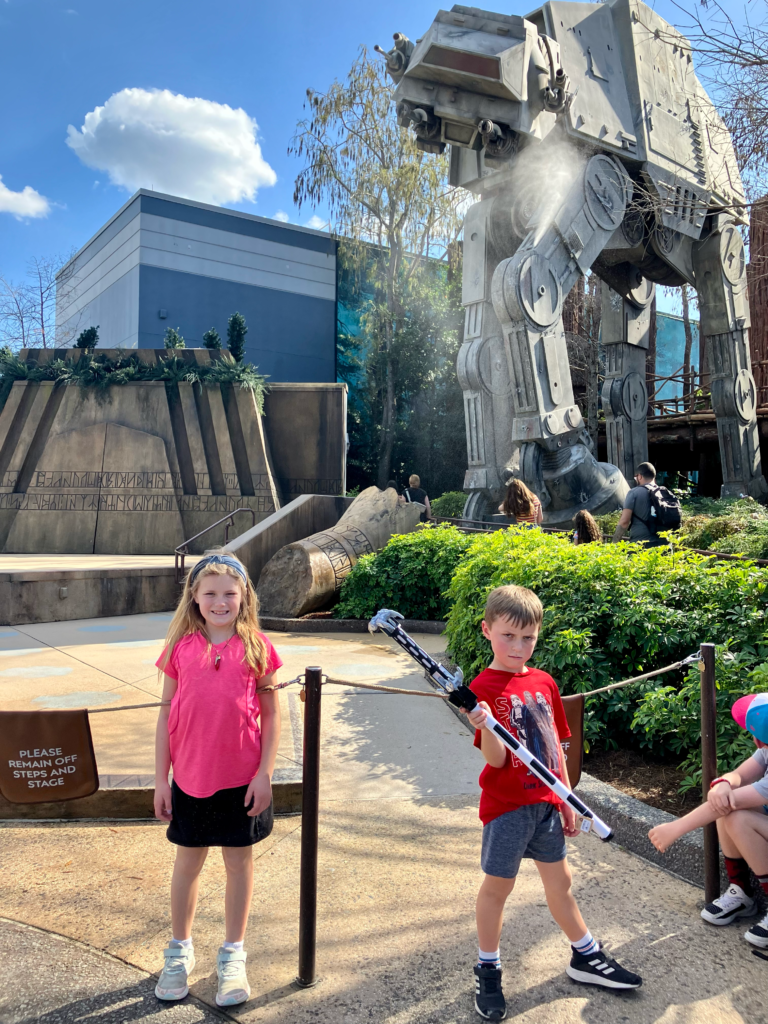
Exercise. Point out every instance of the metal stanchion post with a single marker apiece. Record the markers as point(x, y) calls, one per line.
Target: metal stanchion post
point(309, 827)
point(709, 768)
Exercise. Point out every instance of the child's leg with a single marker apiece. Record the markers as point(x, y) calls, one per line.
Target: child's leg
point(238, 860)
point(556, 879)
point(745, 834)
point(489, 910)
point(184, 887)
point(662, 836)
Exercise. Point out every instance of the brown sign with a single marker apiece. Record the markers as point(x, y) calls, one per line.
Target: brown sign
point(46, 756)
point(573, 748)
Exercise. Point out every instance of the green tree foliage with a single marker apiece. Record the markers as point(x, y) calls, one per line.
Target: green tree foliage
point(450, 504)
point(379, 189)
point(236, 332)
point(429, 426)
point(211, 339)
point(412, 572)
point(89, 338)
point(173, 339)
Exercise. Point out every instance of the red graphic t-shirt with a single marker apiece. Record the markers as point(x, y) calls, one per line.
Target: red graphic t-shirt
point(528, 704)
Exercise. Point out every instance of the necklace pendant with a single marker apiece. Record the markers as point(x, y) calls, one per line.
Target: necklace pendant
point(216, 662)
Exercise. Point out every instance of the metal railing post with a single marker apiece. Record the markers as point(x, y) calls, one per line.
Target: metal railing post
point(310, 802)
point(709, 768)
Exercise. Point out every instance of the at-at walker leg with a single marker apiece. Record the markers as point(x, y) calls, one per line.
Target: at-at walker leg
point(721, 282)
point(540, 417)
point(483, 368)
point(625, 329)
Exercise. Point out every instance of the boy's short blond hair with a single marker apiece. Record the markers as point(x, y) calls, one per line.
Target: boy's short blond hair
point(517, 604)
point(414, 480)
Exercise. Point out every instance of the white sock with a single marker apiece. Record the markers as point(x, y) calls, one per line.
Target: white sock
point(488, 959)
point(235, 947)
point(585, 945)
point(186, 943)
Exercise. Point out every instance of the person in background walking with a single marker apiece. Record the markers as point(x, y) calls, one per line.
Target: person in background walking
point(393, 485)
point(415, 492)
point(586, 529)
point(636, 514)
point(521, 504)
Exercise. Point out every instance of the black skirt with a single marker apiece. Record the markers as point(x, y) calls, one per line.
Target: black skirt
point(218, 820)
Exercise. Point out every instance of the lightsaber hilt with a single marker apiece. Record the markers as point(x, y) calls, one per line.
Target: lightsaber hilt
point(388, 621)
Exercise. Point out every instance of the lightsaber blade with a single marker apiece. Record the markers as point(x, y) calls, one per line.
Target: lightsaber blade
point(388, 621)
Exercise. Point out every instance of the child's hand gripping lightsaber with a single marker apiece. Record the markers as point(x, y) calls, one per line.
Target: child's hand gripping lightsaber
point(388, 622)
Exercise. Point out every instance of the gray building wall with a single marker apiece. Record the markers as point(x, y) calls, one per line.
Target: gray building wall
point(165, 262)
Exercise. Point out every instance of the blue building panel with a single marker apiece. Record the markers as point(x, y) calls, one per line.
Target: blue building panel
point(290, 337)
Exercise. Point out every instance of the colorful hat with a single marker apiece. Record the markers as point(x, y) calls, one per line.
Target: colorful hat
point(751, 713)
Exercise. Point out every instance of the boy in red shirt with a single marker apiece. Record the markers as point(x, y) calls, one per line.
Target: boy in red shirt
point(519, 812)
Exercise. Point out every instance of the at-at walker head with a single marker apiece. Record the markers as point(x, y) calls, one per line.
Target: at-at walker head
point(479, 81)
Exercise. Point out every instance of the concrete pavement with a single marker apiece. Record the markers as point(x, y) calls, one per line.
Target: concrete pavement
point(398, 873)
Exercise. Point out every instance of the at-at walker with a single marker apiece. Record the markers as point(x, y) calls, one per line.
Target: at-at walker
point(592, 145)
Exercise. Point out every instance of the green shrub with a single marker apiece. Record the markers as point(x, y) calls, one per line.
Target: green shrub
point(410, 575)
point(673, 716)
point(610, 612)
point(212, 340)
point(236, 332)
point(89, 338)
point(173, 339)
point(734, 526)
point(450, 504)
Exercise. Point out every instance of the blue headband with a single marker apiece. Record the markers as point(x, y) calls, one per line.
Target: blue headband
point(228, 560)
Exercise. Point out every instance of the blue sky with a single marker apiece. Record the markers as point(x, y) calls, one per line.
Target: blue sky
point(60, 63)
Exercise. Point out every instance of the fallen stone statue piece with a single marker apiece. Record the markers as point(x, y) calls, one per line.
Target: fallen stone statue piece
point(304, 576)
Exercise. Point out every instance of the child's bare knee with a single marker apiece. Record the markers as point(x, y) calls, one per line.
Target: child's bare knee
point(237, 858)
point(497, 888)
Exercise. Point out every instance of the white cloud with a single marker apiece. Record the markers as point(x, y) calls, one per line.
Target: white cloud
point(282, 215)
point(27, 203)
point(317, 223)
point(182, 145)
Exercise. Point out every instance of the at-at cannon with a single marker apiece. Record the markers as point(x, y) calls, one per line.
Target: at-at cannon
point(591, 144)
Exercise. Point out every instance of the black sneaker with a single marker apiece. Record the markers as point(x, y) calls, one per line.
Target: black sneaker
point(758, 933)
point(732, 904)
point(489, 999)
point(598, 969)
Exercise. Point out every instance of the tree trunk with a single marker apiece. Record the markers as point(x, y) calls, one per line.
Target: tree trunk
point(688, 387)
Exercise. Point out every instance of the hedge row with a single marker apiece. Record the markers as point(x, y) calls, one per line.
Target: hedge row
point(611, 611)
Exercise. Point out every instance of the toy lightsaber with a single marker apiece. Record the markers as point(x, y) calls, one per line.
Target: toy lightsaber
point(461, 696)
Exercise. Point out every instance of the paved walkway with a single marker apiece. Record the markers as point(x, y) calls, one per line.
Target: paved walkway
point(398, 873)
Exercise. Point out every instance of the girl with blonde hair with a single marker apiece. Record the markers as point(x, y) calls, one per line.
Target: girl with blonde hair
point(219, 728)
point(521, 504)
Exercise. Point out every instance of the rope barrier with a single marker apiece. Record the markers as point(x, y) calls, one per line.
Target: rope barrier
point(414, 693)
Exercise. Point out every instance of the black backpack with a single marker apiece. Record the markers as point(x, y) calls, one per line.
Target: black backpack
point(665, 509)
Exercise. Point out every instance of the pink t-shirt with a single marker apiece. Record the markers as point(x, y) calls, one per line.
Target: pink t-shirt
point(213, 724)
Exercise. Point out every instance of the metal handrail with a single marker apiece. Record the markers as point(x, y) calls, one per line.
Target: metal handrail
point(182, 550)
point(483, 526)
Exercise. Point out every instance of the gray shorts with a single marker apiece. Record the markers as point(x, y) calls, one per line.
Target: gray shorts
point(533, 830)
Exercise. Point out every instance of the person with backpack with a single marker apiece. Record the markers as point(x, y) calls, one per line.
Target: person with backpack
point(648, 510)
point(415, 492)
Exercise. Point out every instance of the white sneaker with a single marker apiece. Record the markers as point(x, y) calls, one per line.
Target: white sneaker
point(727, 908)
point(179, 964)
point(758, 933)
point(233, 984)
